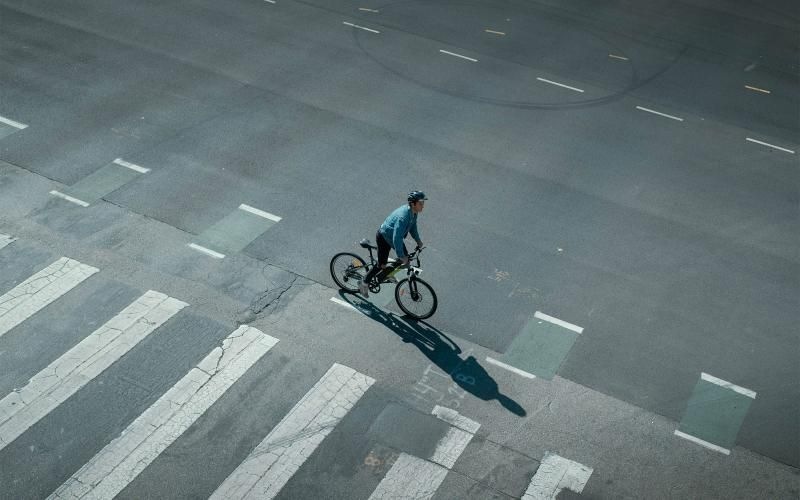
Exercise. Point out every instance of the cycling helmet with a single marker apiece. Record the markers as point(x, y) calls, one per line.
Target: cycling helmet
point(415, 196)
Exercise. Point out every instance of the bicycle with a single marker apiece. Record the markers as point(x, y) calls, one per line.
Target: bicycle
point(415, 297)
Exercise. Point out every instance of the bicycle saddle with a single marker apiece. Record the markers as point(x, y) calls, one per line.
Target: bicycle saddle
point(366, 244)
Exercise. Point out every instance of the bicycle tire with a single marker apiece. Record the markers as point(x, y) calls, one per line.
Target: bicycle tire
point(345, 273)
point(402, 295)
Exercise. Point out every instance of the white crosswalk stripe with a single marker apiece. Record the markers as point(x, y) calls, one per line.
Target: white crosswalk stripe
point(36, 292)
point(417, 478)
point(66, 375)
point(122, 460)
point(273, 462)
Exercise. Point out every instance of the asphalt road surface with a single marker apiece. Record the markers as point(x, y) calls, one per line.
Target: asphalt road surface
point(612, 231)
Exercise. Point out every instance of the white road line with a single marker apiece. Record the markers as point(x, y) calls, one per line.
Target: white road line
point(260, 213)
point(510, 368)
point(728, 385)
point(368, 10)
point(770, 145)
point(553, 475)
point(6, 239)
point(65, 376)
point(457, 55)
point(69, 198)
point(341, 302)
point(33, 294)
point(556, 321)
point(124, 458)
point(132, 166)
point(412, 477)
point(360, 27)
point(206, 251)
point(450, 447)
point(273, 462)
point(13, 123)
point(270, 1)
point(621, 58)
point(764, 91)
point(659, 113)
point(551, 82)
point(495, 32)
point(710, 446)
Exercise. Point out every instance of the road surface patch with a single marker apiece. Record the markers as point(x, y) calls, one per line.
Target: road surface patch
point(715, 413)
point(234, 232)
point(540, 348)
point(98, 184)
point(5, 240)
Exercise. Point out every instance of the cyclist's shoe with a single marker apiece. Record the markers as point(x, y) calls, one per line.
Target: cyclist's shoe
point(363, 288)
point(390, 279)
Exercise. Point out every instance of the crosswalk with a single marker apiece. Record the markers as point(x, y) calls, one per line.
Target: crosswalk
point(272, 458)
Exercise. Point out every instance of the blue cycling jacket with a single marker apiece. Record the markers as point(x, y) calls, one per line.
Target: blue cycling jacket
point(397, 226)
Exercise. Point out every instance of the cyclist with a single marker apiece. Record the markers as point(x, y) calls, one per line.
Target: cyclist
point(390, 235)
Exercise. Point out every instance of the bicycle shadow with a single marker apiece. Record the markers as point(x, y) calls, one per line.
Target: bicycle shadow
point(441, 350)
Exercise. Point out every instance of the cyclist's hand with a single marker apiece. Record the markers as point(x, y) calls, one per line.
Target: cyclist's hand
point(404, 260)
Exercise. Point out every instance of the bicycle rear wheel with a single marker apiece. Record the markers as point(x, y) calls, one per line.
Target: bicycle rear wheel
point(416, 298)
point(347, 269)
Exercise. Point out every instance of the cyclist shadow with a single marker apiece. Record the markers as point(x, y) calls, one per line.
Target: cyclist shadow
point(441, 350)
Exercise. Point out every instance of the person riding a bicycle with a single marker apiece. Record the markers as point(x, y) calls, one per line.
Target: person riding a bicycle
point(391, 234)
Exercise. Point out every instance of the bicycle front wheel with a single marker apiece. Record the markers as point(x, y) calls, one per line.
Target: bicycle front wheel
point(416, 298)
point(347, 269)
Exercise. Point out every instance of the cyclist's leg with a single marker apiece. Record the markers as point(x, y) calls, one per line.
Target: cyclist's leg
point(383, 256)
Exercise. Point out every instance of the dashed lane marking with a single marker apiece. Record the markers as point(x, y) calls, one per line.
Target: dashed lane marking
point(206, 251)
point(559, 322)
point(341, 302)
point(13, 123)
point(457, 55)
point(69, 198)
point(676, 118)
point(122, 460)
point(260, 213)
point(791, 151)
point(510, 368)
point(621, 58)
point(368, 10)
point(493, 32)
point(65, 376)
point(703, 443)
point(36, 292)
point(756, 89)
point(132, 166)
point(551, 82)
point(728, 385)
point(360, 27)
